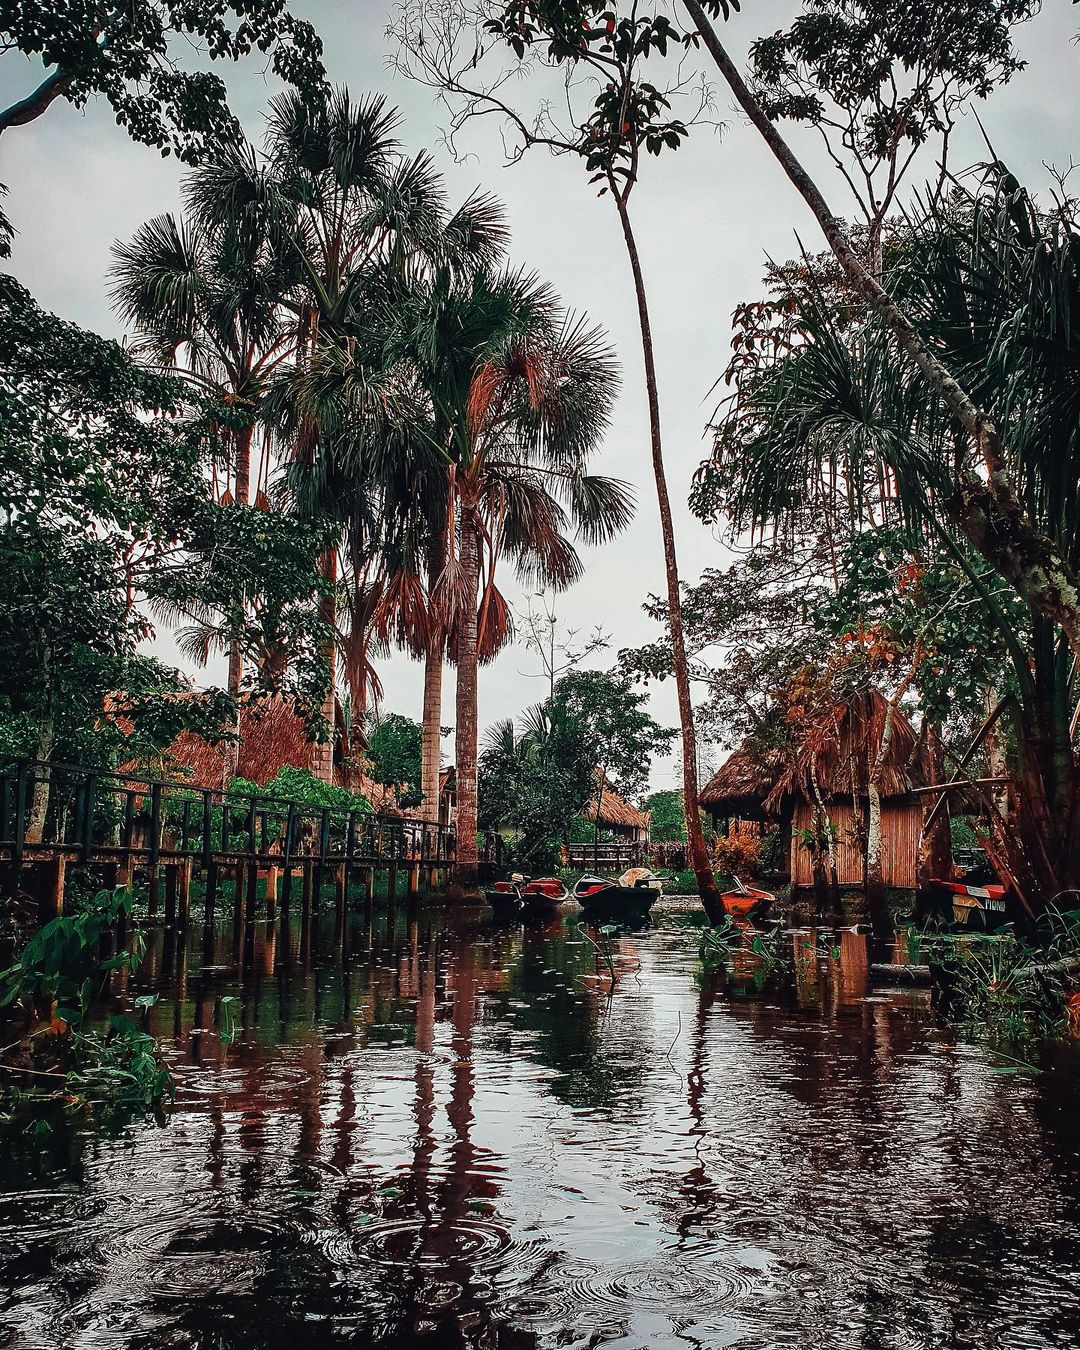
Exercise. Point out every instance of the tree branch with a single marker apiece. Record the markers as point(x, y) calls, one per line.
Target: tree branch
point(31, 107)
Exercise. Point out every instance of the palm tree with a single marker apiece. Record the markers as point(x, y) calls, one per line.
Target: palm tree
point(203, 293)
point(520, 394)
point(366, 223)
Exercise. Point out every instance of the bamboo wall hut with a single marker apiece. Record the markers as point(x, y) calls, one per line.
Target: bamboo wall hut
point(827, 779)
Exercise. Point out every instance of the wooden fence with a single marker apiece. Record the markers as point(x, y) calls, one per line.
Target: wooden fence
point(57, 814)
point(606, 857)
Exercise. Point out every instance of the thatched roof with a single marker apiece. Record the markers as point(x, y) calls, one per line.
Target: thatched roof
point(840, 755)
point(743, 781)
point(272, 737)
point(606, 807)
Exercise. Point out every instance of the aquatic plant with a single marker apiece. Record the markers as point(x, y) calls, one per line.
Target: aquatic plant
point(722, 943)
point(604, 948)
point(1003, 986)
point(63, 1056)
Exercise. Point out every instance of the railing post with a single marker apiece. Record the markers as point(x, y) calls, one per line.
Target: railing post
point(155, 823)
point(87, 822)
point(324, 834)
point(287, 848)
point(350, 847)
point(185, 825)
point(207, 830)
point(19, 842)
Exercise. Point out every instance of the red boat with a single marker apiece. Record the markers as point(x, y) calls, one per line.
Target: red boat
point(975, 906)
point(745, 903)
point(521, 893)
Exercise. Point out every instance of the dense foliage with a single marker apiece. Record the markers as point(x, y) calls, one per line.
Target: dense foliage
point(128, 55)
point(64, 1059)
point(393, 752)
point(108, 520)
point(536, 783)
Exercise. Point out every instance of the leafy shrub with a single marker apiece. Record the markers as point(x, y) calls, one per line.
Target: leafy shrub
point(737, 854)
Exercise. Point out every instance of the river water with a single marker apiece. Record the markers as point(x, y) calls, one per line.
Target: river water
point(434, 1132)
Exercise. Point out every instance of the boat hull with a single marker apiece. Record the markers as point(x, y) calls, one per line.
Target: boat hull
point(535, 897)
point(748, 904)
point(626, 903)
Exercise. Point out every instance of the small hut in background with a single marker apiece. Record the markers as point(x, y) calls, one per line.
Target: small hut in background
point(608, 811)
point(612, 814)
point(734, 797)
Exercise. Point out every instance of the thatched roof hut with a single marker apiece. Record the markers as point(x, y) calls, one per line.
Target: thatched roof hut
point(839, 756)
point(739, 788)
point(611, 812)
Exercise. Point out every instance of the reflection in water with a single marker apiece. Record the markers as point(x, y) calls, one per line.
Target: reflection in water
point(444, 1134)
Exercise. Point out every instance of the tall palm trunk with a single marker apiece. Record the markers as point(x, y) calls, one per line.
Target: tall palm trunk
point(695, 837)
point(322, 755)
point(431, 738)
point(432, 730)
point(231, 757)
point(466, 858)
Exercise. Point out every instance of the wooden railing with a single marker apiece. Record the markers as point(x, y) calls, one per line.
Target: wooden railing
point(605, 857)
point(50, 810)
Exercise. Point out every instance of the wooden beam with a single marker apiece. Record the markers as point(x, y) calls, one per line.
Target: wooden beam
point(959, 783)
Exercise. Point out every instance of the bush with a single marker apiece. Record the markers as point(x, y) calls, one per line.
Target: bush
point(737, 854)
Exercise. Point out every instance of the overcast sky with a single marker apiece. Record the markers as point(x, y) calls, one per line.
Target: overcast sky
point(707, 217)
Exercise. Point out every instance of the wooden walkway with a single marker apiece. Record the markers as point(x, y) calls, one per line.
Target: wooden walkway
point(53, 816)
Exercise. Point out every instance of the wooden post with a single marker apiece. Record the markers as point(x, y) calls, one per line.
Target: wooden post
point(391, 883)
point(239, 891)
point(51, 893)
point(252, 877)
point(369, 887)
point(210, 875)
point(414, 878)
point(271, 893)
point(170, 894)
point(152, 887)
point(183, 896)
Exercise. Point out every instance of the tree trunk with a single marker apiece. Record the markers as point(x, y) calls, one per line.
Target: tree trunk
point(830, 880)
point(431, 741)
point(39, 800)
point(231, 757)
point(31, 107)
point(695, 837)
point(322, 755)
point(935, 838)
point(987, 512)
point(432, 730)
point(466, 873)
